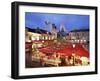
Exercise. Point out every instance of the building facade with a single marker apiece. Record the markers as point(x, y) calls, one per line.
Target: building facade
point(79, 36)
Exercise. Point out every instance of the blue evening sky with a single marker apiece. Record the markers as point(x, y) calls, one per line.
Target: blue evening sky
point(70, 21)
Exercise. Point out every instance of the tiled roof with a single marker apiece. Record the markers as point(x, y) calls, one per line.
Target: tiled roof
point(40, 31)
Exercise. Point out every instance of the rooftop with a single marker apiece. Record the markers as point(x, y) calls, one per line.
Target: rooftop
point(79, 30)
point(40, 31)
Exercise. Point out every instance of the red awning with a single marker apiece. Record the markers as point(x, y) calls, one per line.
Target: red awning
point(67, 50)
point(47, 50)
point(78, 50)
point(81, 51)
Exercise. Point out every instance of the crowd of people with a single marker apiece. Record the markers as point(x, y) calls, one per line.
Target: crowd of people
point(58, 59)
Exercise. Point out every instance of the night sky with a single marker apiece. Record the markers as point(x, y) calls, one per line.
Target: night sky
point(70, 21)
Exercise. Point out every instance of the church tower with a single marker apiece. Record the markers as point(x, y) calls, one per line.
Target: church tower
point(63, 31)
point(54, 31)
point(62, 28)
point(48, 26)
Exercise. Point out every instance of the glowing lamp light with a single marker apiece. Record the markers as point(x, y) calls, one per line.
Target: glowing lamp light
point(43, 41)
point(33, 38)
point(37, 39)
point(73, 45)
point(78, 41)
point(84, 40)
point(81, 40)
point(75, 40)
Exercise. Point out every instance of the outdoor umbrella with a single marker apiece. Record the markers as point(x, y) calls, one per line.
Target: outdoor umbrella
point(47, 50)
point(67, 51)
point(81, 51)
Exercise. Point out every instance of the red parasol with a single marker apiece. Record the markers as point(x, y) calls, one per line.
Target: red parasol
point(78, 50)
point(47, 50)
point(66, 50)
point(81, 51)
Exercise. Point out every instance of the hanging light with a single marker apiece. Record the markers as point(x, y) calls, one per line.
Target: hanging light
point(73, 45)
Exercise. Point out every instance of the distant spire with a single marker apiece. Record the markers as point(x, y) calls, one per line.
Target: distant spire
point(62, 28)
point(54, 26)
point(48, 25)
point(47, 22)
